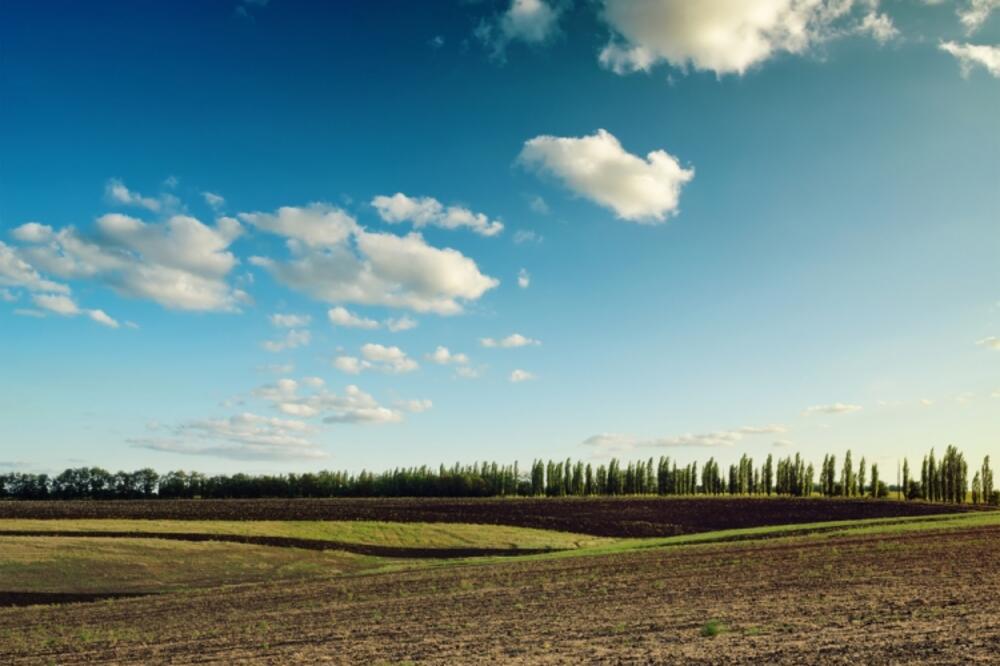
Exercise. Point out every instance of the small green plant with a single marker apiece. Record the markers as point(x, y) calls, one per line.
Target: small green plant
point(713, 628)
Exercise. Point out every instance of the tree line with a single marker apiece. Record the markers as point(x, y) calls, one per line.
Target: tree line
point(941, 480)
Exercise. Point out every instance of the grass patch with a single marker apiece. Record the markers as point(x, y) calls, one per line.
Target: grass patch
point(400, 535)
point(713, 628)
point(68, 564)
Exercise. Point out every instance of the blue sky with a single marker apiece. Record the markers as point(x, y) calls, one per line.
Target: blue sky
point(635, 228)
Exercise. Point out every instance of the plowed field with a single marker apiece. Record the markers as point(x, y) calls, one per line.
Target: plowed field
point(920, 597)
point(617, 517)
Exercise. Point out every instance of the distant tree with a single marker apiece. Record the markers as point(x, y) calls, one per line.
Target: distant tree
point(875, 481)
point(862, 477)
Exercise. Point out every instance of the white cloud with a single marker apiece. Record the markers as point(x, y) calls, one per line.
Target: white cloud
point(60, 304)
point(782, 443)
point(879, 26)
point(289, 320)
point(444, 356)
point(833, 408)
point(971, 55)
point(27, 312)
point(609, 442)
point(522, 236)
point(511, 341)
point(428, 211)
point(215, 201)
point(538, 205)
point(523, 278)
point(992, 342)
point(101, 317)
point(16, 272)
point(727, 36)
point(8, 296)
point(414, 406)
point(116, 192)
point(975, 13)
point(354, 406)
point(598, 168)
point(340, 316)
point(316, 225)
point(352, 365)
point(388, 359)
point(179, 263)
point(400, 324)
point(518, 376)
point(528, 21)
point(65, 306)
point(337, 262)
point(294, 339)
point(245, 436)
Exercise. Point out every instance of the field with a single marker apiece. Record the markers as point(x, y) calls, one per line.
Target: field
point(707, 581)
point(614, 517)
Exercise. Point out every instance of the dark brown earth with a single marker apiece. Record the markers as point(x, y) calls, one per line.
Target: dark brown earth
point(45, 598)
point(631, 517)
point(922, 597)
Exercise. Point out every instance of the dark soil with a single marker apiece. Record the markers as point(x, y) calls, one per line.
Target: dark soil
point(920, 597)
point(629, 517)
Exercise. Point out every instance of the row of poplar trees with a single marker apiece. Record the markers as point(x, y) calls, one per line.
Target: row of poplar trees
point(944, 479)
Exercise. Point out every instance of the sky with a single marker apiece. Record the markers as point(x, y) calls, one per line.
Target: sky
point(273, 236)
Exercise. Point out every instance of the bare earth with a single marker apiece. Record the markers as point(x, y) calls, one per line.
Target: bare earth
point(918, 598)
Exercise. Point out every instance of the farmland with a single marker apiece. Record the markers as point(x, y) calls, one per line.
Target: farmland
point(708, 580)
point(613, 517)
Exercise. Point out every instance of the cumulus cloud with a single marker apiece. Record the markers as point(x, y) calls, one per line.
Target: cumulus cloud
point(341, 316)
point(179, 263)
point(293, 339)
point(511, 341)
point(399, 324)
point(992, 342)
point(428, 211)
point(596, 167)
point(879, 27)
point(728, 36)
point(65, 306)
point(444, 356)
point(315, 225)
point(974, 13)
point(15, 272)
point(215, 201)
point(523, 278)
point(528, 21)
point(973, 55)
point(289, 320)
point(833, 408)
point(335, 260)
point(57, 303)
point(609, 442)
point(353, 406)
point(8, 296)
point(246, 436)
point(116, 192)
point(390, 360)
point(518, 376)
